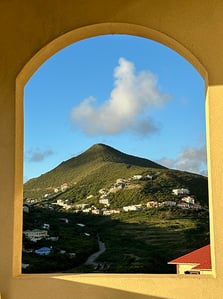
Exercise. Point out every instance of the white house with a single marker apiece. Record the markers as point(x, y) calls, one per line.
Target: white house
point(37, 234)
point(104, 201)
point(63, 204)
point(188, 199)
point(181, 191)
point(95, 211)
point(137, 177)
point(132, 208)
point(88, 210)
point(110, 212)
point(64, 187)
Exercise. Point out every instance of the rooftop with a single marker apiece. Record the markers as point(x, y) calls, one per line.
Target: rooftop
point(200, 257)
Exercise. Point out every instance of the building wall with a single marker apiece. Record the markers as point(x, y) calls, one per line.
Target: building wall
point(182, 268)
point(31, 32)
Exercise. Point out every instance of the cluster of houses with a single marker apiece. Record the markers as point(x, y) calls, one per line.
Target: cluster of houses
point(186, 201)
point(183, 199)
point(36, 235)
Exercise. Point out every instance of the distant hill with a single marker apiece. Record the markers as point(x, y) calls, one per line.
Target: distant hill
point(101, 165)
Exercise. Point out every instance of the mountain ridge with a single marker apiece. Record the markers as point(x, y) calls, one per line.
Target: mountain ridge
point(96, 154)
point(100, 166)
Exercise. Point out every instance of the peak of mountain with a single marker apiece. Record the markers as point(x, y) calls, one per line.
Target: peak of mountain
point(95, 161)
point(100, 166)
point(107, 153)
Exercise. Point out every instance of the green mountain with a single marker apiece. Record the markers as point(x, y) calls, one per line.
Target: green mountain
point(140, 241)
point(101, 165)
point(92, 162)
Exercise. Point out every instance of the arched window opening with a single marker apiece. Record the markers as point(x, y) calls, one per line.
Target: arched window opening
point(115, 159)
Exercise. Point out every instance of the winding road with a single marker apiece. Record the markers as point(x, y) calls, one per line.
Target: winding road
point(91, 259)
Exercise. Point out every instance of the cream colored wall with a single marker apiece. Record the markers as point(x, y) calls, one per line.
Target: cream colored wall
point(205, 272)
point(30, 32)
point(182, 268)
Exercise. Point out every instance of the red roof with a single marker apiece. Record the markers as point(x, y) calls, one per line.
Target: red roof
point(201, 257)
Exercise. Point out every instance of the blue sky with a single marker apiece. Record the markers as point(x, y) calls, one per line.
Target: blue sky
point(131, 93)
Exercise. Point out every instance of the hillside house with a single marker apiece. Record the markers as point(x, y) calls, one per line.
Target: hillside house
point(43, 251)
point(195, 262)
point(87, 210)
point(188, 199)
point(63, 204)
point(152, 204)
point(110, 212)
point(102, 191)
point(168, 203)
point(132, 208)
point(117, 186)
point(183, 205)
point(137, 177)
point(35, 234)
point(181, 191)
point(104, 201)
point(64, 187)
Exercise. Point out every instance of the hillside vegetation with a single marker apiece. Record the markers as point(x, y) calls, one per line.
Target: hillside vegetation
point(95, 161)
point(92, 191)
point(101, 165)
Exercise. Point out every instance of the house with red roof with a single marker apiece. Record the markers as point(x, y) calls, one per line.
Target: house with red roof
point(195, 262)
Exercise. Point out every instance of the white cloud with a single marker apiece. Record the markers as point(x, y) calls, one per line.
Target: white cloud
point(38, 155)
point(189, 159)
point(128, 106)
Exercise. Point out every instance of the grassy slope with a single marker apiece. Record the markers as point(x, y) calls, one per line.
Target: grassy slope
point(97, 163)
point(100, 166)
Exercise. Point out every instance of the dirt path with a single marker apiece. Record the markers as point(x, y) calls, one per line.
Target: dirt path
point(91, 259)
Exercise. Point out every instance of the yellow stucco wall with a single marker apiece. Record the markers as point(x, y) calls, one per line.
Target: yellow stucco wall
point(33, 30)
point(182, 268)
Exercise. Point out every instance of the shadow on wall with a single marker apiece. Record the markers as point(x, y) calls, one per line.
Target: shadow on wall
point(57, 288)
